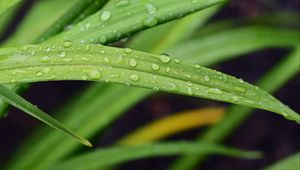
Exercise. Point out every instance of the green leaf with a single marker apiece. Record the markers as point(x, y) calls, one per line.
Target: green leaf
point(292, 162)
point(271, 82)
point(70, 15)
point(41, 17)
point(119, 154)
point(33, 111)
point(129, 67)
point(97, 101)
point(246, 39)
point(101, 104)
point(120, 20)
point(7, 4)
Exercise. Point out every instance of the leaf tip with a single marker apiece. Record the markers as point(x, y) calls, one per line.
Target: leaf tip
point(87, 143)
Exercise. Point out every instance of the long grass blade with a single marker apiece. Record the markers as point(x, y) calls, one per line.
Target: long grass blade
point(121, 20)
point(98, 114)
point(129, 67)
point(119, 154)
point(271, 82)
point(246, 39)
point(96, 100)
point(6, 5)
point(174, 124)
point(292, 162)
point(33, 111)
point(42, 16)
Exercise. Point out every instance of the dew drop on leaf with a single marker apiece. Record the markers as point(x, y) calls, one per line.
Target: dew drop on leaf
point(151, 9)
point(164, 58)
point(128, 50)
point(215, 91)
point(122, 3)
point(95, 75)
point(67, 44)
point(206, 78)
point(132, 62)
point(105, 15)
point(103, 39)
point(39, 74)
point(155, 66)
point(106, 59)
point(62, 54)
point(150, 21)
point(134, 77)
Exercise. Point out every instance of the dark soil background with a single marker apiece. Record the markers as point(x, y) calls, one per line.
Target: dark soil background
point(263, 131)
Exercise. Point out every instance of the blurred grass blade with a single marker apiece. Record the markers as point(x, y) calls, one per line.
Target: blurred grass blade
point(172, 32)
point(6, 5)
point(95, 6)
point(41, 17)
point(73, 13)
point(292, 162)
point(129, 67)
point(174, 124)
point(271, 82)
point(33, 111)
point(119, 154)
point(6, 19)
point(246, 39)
point(120, 20)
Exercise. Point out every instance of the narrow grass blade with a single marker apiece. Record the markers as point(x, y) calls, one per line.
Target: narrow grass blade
point(40, 18)
point(95, 6)
point(271, 82)
point(292, 162)
point(33, 111)
point(173, 124)
point(6, 5)
point(129, 67)
point(68, 17)
point(246, 39)
point(119, 154)
point(120, 20)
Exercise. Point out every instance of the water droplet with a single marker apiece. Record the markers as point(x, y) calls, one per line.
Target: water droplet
point(67, 59)
point(151, 9)
point(168, 69)
point(45, 59)
point(95, 75)
point(122, 3)
point(155, 67)
point(87, 47)
point(155, 88)
point(215, 91)
point(106, 59)
point(239, 89)
point(105, 15)
point(235, 98)
point(67, 44)
point(62, 54)
point(150, 21)
point(197, 66)
point(39, 74)
point(132, 62)
point(134, 77)
point(206, 78)
point(176, 60)
point(164, 58)
point(103, 39)
point(128, 50)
